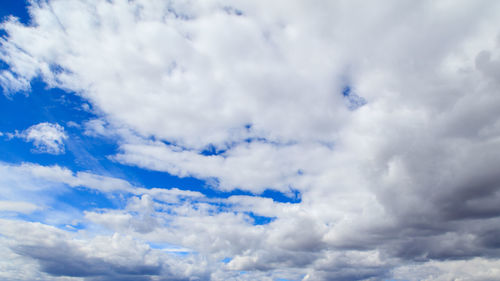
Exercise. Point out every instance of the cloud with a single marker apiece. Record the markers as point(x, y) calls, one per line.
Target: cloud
point(114, 257)
point(252, 166)
point(474, 269)
point(397, 176)
point(20, 207)
point(297, 238)
point(46, 137)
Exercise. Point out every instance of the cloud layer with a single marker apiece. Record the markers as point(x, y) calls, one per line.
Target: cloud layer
point(382, 116)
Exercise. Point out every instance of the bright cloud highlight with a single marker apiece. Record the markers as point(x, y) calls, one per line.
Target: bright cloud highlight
point(46, 137)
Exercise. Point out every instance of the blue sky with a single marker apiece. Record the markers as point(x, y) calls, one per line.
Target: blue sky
point(154, 140)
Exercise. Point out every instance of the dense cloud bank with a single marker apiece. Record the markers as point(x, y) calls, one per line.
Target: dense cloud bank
point(382, 115)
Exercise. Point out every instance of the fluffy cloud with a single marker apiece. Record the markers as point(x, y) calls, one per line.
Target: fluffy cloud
point(46, 137)
point(383, 116)
point(114, 257)
point(309, 240)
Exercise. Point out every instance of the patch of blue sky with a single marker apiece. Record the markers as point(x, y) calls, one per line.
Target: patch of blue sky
point(346, 91)
point(161, 246)
point(3, 65)
point(82, 198)
point(208, 150)
point(293, 197)
point(42, 104)
point(171, 249)
point(19, 112)
point(260, 220)
point(179, 253)
point(212, 150)
point(169, 143)
point(226, 260)
point(351, 99)
point(271, 142)
point(150, 179)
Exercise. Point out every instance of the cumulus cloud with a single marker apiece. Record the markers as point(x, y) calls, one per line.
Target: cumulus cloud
point(171, 218)
point(384, 116)
point(301, 242)
point(46, 137)
point(114, 257)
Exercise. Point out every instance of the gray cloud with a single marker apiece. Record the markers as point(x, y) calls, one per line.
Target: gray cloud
point(112, 257)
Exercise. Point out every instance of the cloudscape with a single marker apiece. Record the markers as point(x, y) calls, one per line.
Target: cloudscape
point(249, 140)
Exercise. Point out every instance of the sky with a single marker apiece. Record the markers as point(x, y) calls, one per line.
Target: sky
point(152, 140)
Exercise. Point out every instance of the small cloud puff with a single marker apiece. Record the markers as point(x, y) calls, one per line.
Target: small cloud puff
point(46, 137)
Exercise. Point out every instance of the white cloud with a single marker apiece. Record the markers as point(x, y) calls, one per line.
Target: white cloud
point(474, 269)
point(253, 166)
point(320, 239)
point(114, 257)
point(16, 206)
point(46, 137)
